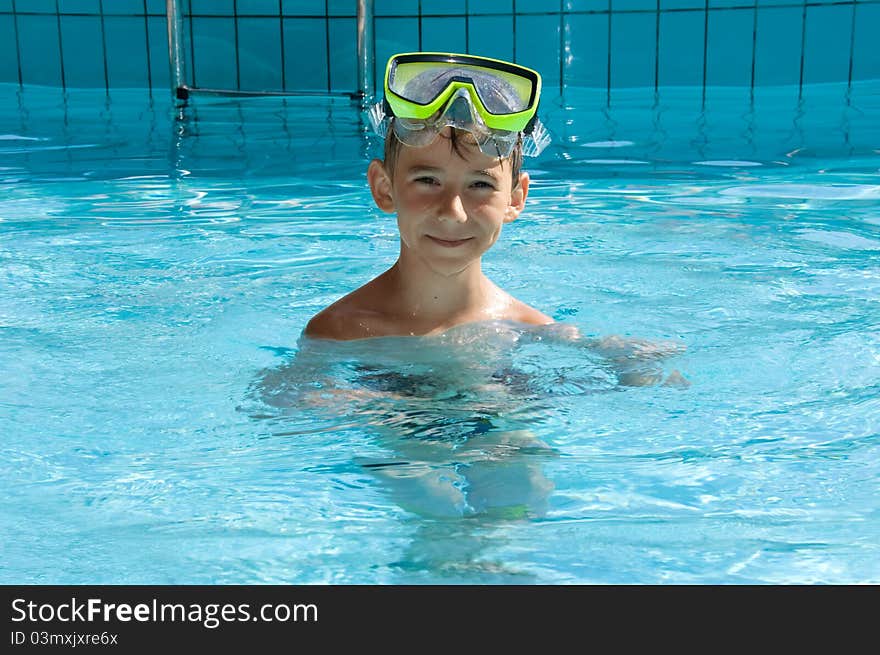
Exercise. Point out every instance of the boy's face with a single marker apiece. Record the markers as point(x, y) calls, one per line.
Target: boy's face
point(450, 207)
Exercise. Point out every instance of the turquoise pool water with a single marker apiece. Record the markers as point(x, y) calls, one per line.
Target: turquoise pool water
point(162, 422)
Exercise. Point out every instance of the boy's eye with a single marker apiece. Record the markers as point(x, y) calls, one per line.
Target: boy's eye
point(483, 184)
point(426, 180)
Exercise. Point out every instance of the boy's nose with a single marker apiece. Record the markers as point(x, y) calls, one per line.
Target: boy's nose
point(453, 209)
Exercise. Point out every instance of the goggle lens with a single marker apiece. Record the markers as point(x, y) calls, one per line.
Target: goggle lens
point(500, 92)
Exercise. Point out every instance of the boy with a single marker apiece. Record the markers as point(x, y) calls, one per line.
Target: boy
point(455, 127)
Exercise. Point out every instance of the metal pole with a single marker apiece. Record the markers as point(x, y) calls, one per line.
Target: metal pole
point(364, 48)
point(175, 50)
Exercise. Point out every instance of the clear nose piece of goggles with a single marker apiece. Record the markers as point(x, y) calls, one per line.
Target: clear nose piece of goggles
point(458, 113)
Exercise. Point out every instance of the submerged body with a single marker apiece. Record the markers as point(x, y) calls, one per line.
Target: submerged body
point(454, 419)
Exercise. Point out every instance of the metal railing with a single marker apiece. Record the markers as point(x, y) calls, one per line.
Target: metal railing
point(181, 88)
point(175, 49)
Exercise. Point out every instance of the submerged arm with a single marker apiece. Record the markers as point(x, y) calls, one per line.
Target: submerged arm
point(636, 362)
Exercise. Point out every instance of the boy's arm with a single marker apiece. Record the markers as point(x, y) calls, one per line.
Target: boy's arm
point(634, 360)
point(624, 349)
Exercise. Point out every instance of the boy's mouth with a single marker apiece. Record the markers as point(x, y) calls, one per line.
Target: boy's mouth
point(448, 243)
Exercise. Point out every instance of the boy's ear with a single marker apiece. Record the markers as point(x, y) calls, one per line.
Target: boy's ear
point(380, 185)
point(517, 198)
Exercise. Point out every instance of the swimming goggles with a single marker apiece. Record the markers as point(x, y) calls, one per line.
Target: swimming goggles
point(496, 101)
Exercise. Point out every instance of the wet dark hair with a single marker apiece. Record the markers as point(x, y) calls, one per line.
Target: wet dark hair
point(456, 140)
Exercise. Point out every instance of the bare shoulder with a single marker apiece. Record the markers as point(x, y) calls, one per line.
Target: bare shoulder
point(523, 313)
point(344, 320)
point(326, 324)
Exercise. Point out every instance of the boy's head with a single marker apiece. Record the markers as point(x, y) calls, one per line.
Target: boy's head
point(451, 199)
point(456, 128)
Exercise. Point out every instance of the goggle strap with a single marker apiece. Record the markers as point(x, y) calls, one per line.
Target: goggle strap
point(379, 119)
point(534, 143)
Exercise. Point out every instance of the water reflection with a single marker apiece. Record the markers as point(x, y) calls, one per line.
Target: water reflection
point(461, 552)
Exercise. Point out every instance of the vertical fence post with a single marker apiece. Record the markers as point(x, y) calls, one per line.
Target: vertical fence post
point(175, 50)
point(364, 48)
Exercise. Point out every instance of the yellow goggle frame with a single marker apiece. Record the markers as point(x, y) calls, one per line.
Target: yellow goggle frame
point(525, 82)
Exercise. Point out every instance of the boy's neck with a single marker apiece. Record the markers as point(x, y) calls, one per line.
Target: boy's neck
point(425, 295)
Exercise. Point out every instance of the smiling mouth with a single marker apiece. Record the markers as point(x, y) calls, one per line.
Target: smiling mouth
point(448, 243)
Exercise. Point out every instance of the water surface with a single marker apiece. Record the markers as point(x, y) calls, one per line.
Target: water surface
point(163, 422)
